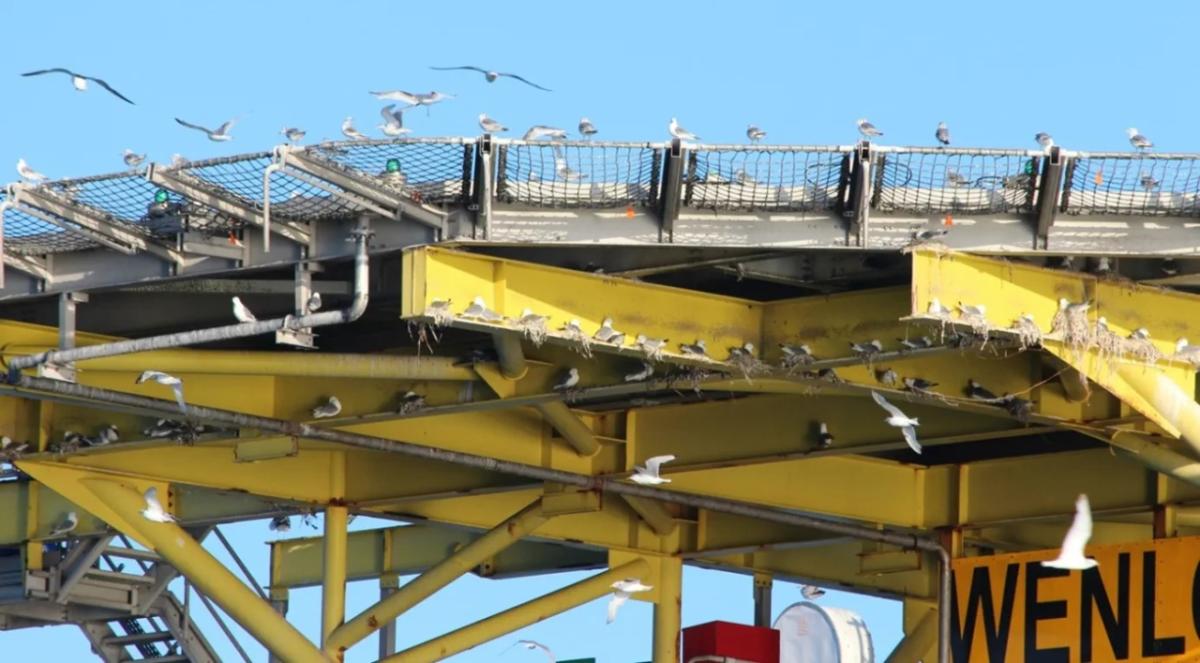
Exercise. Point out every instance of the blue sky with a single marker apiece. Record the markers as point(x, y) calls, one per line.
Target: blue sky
point(997, 73)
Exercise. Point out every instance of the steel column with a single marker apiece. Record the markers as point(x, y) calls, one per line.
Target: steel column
point(668, 620)
point(762, 600)
point(387, 634)
point(333, 589)
point(916, 642)
point(1049, 187)
point(672, 189)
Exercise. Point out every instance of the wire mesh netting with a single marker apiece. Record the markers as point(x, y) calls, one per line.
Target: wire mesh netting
point(1134, 184)
point(577, 174)
point(764, 178)
point(242, 178)
point(435, 171)
point(28, 235)
point(935, 181)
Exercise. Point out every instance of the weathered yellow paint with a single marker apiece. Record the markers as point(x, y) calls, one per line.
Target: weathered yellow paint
point(920, 634)
point(667, 632)
point(333, 590)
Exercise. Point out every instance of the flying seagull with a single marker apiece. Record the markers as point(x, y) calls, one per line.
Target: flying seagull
point(532, 644)
point(350, 132)
point(67, 526)
point(413, 98)
point(1071, 555)
point(942, 134)
point(166, 380)
point(330, 408)
point(242, 313)
point(1137, 139)
point(754, 133)
point(292, 134)
point(491, 76)
point(586, 128)
point(154, 510)
point(28, 174)
point(542, 131)
point(1044, 139)
point(679, 132)
point(221, 134)
point(622, 590)
point(898, 419)
point(393, 121)
point(80, 81)
point(867, 129)
point(811, 592)
point(649, 474)
point(490, 126)
point(132, 159)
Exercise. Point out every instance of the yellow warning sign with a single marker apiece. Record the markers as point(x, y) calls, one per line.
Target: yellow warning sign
point(1141, 604)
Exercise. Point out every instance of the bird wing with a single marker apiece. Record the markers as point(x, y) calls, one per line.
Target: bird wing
point(1080, 531)
point(151, 496)
point(178, 389)
point(654, 462)
point(618, 599)
point(891, 409)
point(465, 67)
point(388, 116)
point(528, 82)
point(224, 128)
point(108, 87)
point(197, 127)
point(910, 436)
point(56, 70)
point(398, 95)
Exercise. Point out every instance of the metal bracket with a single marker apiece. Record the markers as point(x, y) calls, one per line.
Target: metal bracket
point(482, 195)
point(67, 302)
point(860, 195)
point(399, 206)
point(300, 337)
point(1048, 193)
point(672, 190)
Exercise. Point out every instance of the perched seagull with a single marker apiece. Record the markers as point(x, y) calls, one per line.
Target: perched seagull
point(350, 132)
point(649, 473)
point(622, 590)
point(972, 310)
point(1137, 140)
point(919, 384)
point(887, 377)
point(1169, 267)
point(292, 134)
point(393, 121)
point(154, 510)
point(1067, 307)
point(280, 524)
point(569, 380)
point(754, 133)
point(80, 81)
point(811, 592)
point(868, 349)
point(1102, 325)
point(67, 526)
point(898, 419)
point(413, 98)
point(1148, 182)
point(652, 347)
point(586, 128)
point(1071, 555)
point(867, 129)
point(410, 402)
point(1044, 139)
point(1140, 334)
point(956, 179)
point(936, 308)
point(178, 160)
point(330, 408)
point(976, 391)
point(942, 134)
point(107, 435)
point(28, 174)
point(475, 309)
point(242, 313)
point(221, 134)
point(931, 233)
point(796, 354)
point(679, 132)
point(132, 159)
point(490, 126)
point(828, 374)
point(916, 344)
point(697, 349)
point(606, 333)
point(824, 437)
point(744, 351)
point(314, 302)
point(492, 76)
point(166, 380)
point(1186, 352)
point(1103, 265)
point(542, 131)
point(531, 645)
point(564, 172)
point(645, 374)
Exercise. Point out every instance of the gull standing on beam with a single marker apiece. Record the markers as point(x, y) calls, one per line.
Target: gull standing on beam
point(542, 131)
point(569, 380)
point(1071, 556)
point(28, 174)
point(586, 128)
point(350, 132)
point(1137, 139)
point(166, 380)
point(330, 408)
point(490, 126)
point(491, 76)
point(754, 133)
point(393, 121)
point(67, 526)
point(649, 475)
point(942, 134)
point(220, 135)
point(1044, 139)
point(898, 419)
point(292, 134)
point(154, 510)
point(132, 159)
point(80, 81)
point(679, 132)
point(622, 590)
point(867, 129)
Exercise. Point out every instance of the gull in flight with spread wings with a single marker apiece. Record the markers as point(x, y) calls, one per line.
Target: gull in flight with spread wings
point(80, 81)
point(221, 134)
point(898, 419)
point(492, 76)
point(1071, 555)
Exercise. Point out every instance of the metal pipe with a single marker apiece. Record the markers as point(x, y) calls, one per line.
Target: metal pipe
point(436, 577)
point(333, 583)
point(357, 306)
point(520, 616)
point(534, 472)
point(509, 355)
point(201, 568)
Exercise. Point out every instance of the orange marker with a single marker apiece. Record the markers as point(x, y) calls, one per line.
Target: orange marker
point(948, 221)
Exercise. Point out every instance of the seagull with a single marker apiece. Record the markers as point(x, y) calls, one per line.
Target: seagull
point(1189, 353)
point(221, 134)
point(795, 354)
point(569, 380)
point(67, 526)
point(350, 132)
point(542, 131)
point(898, 419)
point(811, 592)
point(280, 524)
point(828, 374)
point(1102, 325)
point(107, 435)
point(622, 590)
point(132, 159)
point(936, 308)
point(1169, 267)
point(410, 402)
point(28, 174)
point(475, 309)
point(292, 134)
point(754, 133)
point(697, 349)
point(824, 437)
point(942, 134)
point(977, 392)
point(1103, 265)
point(867, 129)
point(1137, 140)
point(744, 351)
point(242, 313)
point(531, 645)
point(916, 344)
point(80, 81)
point(955, 179)
point(868, 349)
point(154, 510)
point(490, 126)
point(653, 347)
point(648, 474)
point(1071, 555)
point(887, 377)
point(919, 384)
point(932, 233)
point(564, 172)
point(1066, 306)
point(973, 310)
point(413, 98)
point(314, 302)
point(1140, 334)
point(330, 408)
point(606, 333)
point(1044, 139)
point(644, 374)
point(166, 380)
point(586, 128)
point(1148, 182)
point(679, 132)
point(393, 121)
point(178, 160)
point(491, 76)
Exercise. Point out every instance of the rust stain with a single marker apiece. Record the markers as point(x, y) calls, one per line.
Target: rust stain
point(372, 622)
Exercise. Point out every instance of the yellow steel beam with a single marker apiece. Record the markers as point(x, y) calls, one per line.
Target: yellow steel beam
point(919, 638)
point(333, 592)
point(416, 590)
point(668, 620)
point(521, 616)
point(1177, 406)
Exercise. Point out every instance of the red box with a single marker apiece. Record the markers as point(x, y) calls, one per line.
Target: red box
point(744, 643)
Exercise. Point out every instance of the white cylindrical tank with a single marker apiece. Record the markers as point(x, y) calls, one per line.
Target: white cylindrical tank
point(809, 633)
